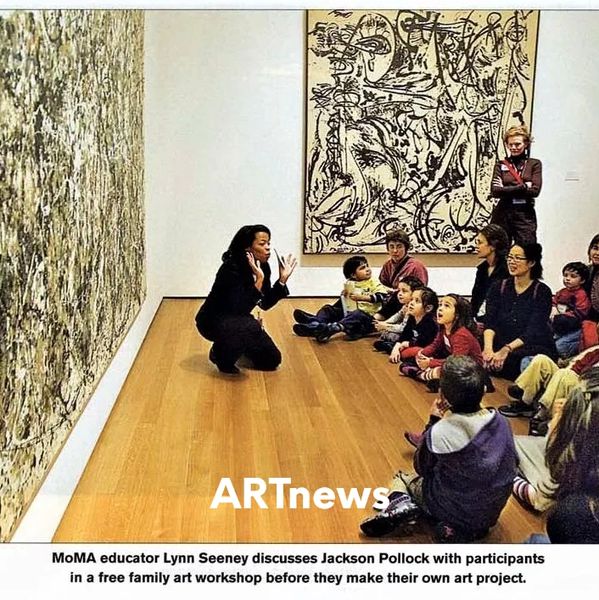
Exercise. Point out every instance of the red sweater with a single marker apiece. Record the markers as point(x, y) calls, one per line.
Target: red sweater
point(460, 342)
point(577, 302)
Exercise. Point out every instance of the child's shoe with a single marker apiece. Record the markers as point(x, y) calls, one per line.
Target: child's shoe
point(327, 331)
point(383, 346)
point(401, 512)
point(517, 409)
point(303, 317)
point(391, 496)
point(539, 422)
point(308, 329)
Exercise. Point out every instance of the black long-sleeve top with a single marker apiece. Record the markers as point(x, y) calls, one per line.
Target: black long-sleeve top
point(525, 316)
point(234, 293)
point(531, 172)
point(483, 281)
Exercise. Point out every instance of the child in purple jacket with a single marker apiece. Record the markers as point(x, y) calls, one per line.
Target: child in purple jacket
point(465, 464)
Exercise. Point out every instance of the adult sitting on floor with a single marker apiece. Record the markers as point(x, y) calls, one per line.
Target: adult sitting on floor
point(517, 320)
point(542, 383)
point(590, 327)
point(566, 460)
point(492, 245)
point(241, 284)
point(399, 265)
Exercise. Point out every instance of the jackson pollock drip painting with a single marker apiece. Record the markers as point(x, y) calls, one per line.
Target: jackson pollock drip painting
point(405, 113)
point(72, 250)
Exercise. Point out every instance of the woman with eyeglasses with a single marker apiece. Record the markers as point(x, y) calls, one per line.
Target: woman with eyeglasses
point(517, 320)
point(517, 181)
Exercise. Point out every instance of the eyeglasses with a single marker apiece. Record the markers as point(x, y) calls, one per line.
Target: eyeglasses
point(511, 257)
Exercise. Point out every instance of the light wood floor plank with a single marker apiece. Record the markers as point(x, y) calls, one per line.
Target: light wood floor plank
point(332, 416)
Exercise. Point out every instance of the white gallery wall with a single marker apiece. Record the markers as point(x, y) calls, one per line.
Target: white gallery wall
point(225, 141)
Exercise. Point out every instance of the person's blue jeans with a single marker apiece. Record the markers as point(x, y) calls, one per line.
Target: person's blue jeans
point(567, 345)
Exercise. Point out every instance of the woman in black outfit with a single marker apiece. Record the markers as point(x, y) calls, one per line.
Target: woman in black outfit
point(492, 245)
point(518, 309)
point(241, 284)
point(517, 181)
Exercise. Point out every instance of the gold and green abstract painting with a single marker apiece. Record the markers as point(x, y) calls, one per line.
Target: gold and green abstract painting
point(72, 254)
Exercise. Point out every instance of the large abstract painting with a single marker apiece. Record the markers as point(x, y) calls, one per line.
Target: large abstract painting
point(405, 115)
point(71, 225)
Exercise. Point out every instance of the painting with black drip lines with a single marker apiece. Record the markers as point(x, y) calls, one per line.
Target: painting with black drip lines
point(405, 116)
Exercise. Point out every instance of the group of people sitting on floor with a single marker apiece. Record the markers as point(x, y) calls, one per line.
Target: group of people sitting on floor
point(467, 461)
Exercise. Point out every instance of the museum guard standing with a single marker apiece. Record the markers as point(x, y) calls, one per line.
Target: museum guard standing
point(517, 181)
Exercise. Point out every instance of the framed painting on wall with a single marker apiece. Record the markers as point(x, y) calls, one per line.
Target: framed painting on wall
point(405, 115)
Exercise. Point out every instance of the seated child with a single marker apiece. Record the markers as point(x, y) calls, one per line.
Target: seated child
point(565, 461)
point(367, 294)
point(421, 326)
point(542, 383)
point(464, 466)
point(391, 328)
point(457, 335)
point(571, 305)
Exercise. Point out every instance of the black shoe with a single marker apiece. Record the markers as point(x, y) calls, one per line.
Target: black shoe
point(308, 329)
point(223, 368)
point(401, 511)
point(489, 387)
point(539, 422)
point(515, 391)
point(433, 385)
point(517, 409)
point(383, 346)
point(303, 317)
point(327, 332)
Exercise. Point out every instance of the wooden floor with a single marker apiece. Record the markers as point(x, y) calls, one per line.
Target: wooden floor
point(332, 415)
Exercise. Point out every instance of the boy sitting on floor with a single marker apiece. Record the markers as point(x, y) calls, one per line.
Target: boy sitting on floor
point(365, 294)
point(465, 464)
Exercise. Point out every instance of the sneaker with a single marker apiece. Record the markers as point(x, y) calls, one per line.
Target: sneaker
point(517, 409)
point(326, 332)
point(444, 533)
point(413, 438)
point(303, 317)
point(392, 496)
point(383, 346)
point(539, 423)
point(222, 367)
point(308, 329)
point(515, 391)
point(401, 512)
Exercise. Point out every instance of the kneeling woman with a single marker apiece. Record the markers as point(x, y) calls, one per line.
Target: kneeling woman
point(518, 309)
point(241, 284)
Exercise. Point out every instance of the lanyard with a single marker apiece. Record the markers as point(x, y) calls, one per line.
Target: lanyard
point(514, 172)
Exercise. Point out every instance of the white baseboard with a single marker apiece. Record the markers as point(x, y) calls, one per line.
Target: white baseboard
point(47, 508)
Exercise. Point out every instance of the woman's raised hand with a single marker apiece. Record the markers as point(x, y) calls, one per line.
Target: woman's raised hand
point(256, 269)
point(287, 265)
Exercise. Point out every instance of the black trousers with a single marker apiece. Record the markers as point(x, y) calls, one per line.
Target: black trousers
point(238, 336)
point(519, 222)
point(356, 322)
